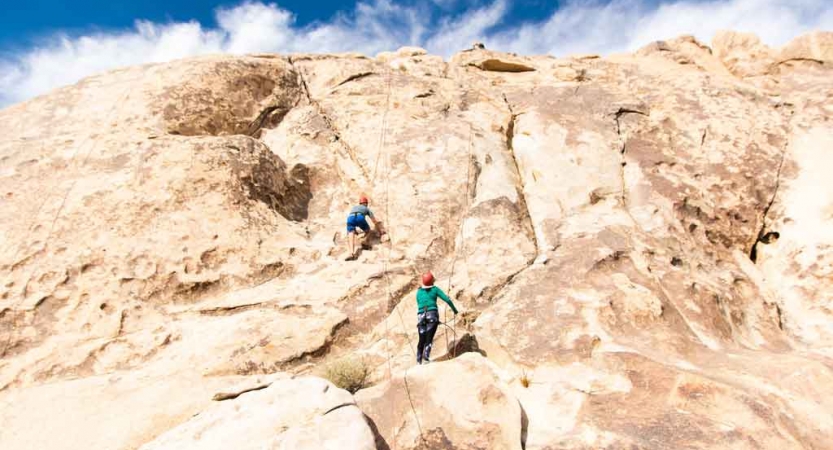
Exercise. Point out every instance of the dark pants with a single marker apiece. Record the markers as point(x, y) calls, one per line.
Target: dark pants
point(427, 323)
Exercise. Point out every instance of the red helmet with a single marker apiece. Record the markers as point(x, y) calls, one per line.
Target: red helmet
point(427, 279)
point(362, 200)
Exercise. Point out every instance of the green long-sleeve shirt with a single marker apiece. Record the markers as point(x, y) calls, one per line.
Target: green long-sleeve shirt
point(427, 299)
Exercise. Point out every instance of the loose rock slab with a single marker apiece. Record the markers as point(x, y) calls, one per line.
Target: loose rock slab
point(304, 413)
point(458, 404)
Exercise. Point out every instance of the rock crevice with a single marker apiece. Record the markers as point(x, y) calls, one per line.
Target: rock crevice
point(764, 235)
point(509, 130)
point(332, 128)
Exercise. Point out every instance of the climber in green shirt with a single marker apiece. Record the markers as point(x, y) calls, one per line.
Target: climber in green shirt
point(428, 317)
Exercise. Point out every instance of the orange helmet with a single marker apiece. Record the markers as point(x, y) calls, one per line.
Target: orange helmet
point(428, 279)
point(362, 200)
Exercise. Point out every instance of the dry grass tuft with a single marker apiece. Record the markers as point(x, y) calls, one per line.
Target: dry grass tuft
point(350, 374)
point(525, 381)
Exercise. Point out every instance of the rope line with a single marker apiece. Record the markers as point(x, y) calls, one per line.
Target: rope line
point(462, 244)
point(386, 261)
point(468, 190)
point(413, 408)
point(384, 133)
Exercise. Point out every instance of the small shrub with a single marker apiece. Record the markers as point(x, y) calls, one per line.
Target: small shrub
point(350, 374)
point(525, 379)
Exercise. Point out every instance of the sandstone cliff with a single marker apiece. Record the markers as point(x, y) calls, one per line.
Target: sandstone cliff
point(642, 247)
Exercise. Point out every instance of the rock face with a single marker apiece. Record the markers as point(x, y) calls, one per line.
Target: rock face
point(642, 247)
point(289, 414)
point(460, 404)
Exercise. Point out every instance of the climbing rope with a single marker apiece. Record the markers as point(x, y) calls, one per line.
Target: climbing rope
point(382, 153)
point(465, 210)
point(453, 328)
point(386, 261)
point(384, 132)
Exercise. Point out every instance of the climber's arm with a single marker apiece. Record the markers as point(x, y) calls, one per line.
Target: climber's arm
point(376, 223)
point(445, 298)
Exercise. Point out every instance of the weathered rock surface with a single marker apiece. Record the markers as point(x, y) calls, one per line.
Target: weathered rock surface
point(641, 245)
point(303, 413)
point(117, 410)
point(459, 404)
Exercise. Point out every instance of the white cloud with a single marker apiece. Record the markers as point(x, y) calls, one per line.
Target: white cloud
point(255, 26)
point(576, 27)
point(376, 25)
point(455, 34)
point(774, 21)
point(621, 25)
point(65, 60)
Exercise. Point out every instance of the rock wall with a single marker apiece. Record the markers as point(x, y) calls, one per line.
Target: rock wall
point(641, 247)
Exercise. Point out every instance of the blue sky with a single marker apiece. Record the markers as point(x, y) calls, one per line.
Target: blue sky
point(25, 22)
point(49, 43)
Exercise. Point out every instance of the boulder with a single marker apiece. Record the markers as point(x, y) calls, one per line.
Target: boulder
point(301, 413)
point(119, 411)
point(458, 404)
point(743, 53)
point(491, 61)
point(816, 47)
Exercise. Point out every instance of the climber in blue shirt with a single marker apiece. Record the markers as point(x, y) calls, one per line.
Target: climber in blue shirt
point(357, 218)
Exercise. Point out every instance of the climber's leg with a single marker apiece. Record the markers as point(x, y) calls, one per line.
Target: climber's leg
point(355, 221)
point(352, 243)
point(365, 227)
point(422, 331)
point(432, 320)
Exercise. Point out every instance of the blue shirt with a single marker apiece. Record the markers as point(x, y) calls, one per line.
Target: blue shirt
point(362, 209)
